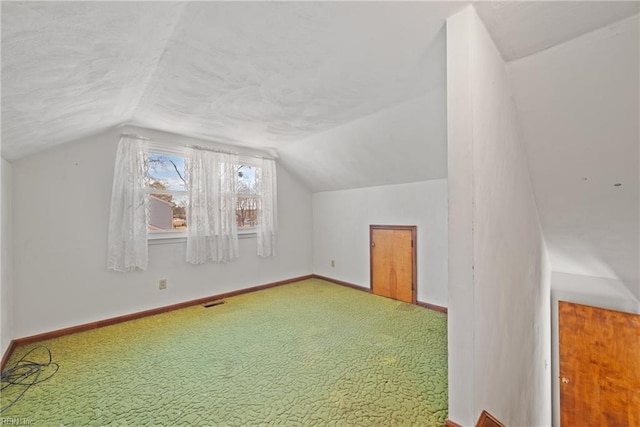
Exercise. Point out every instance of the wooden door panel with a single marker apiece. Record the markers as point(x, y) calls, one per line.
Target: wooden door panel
point(599, 366)
point(393, 262)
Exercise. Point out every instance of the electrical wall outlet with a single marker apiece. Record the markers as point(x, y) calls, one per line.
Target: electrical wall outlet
point(163, 284)
point(333, 263)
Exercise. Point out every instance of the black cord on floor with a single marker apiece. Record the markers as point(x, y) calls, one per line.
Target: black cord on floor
point(27, 373)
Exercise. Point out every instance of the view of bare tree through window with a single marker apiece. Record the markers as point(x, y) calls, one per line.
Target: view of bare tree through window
point(247, 207)
point(168, 203)
point(168, 194)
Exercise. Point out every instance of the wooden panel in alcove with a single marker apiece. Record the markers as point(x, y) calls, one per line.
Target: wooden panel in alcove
point(393, 262)
point(599, 366)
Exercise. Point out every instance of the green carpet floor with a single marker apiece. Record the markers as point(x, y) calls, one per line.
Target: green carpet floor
point(307, 353)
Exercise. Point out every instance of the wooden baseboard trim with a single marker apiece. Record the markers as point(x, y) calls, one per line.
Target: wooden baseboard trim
point(488, 420)
point(342, 283)
point(432, 307)
point(7, 354)
point(361, 288)
point(119, 319)
point(449, 423)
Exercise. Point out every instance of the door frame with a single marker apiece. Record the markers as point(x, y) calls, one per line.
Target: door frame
point(414, 252)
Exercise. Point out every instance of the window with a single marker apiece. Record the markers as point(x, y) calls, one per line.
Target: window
point(149, 176)
point(248, 198)
point(168, 194)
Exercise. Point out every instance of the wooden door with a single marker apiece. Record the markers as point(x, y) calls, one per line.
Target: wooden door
point(599, 366)
point(393, 261)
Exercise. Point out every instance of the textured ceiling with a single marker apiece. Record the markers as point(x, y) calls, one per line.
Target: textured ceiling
point(406, 143)
point(258, 74)
point(74, 68)
point(273, 73)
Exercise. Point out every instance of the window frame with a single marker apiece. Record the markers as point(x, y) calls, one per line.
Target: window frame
point(155, 237)
point(247, 161)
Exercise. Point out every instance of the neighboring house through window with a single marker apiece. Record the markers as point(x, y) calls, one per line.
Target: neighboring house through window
point(168, 203)
point(168, 192)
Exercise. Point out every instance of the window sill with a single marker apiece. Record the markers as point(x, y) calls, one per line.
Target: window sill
point(169, 237)
point(166, 238)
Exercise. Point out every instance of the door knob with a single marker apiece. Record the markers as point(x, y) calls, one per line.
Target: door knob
point(565, 380)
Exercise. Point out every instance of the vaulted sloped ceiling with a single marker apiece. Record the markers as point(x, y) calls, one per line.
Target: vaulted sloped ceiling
point(579, 111)
point(523, 28)
point(70, 69)
point(271, 73)
point(574, 70)
point(256, 74)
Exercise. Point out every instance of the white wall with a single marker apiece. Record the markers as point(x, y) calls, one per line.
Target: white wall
point(460, 170)
point(61, 206)
point(594, 291)
point(341, 222)
point(6, 285)
point(499, 275)
point(579, 107)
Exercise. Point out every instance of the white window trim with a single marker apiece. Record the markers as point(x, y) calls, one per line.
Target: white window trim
point(157, 237)
point(161, 237)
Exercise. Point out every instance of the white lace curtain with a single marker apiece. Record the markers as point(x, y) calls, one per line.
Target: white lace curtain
point(267, 233)
point(128, 217)
point(212, 232)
